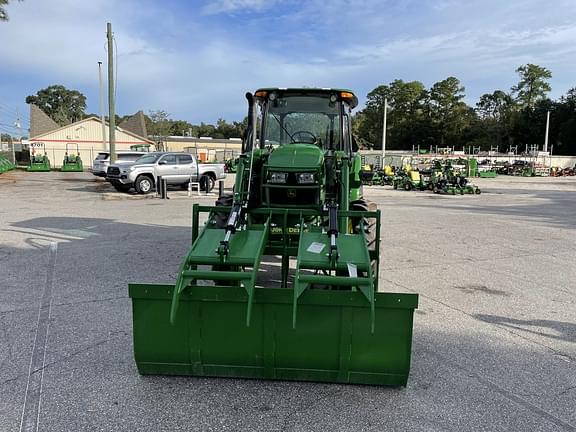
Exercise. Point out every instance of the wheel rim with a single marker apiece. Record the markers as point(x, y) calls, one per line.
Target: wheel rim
point(145, 185)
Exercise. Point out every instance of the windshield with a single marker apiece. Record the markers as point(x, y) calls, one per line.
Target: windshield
point(302, 119)
point(148, 159)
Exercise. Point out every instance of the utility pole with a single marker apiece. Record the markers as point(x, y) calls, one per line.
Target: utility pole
point(384, 131)
point(18, 125)
point(547, 129)
point(101, 92)
point(111, 111)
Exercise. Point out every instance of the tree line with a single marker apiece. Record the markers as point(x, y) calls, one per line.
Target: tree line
point(417, 116)
point(438, 116)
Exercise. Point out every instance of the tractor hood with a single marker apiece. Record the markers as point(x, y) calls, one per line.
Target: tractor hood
point(301, 156)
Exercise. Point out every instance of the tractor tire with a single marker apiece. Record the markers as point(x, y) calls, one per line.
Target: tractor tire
point(144, 184)
point(477, 191)
point(222, 218)
point(207, 183)
point(357, 223)
point(407, 186)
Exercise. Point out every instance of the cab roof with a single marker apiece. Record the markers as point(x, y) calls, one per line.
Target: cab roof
point(353, 101)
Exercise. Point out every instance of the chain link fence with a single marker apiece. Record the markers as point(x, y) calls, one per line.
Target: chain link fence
point(8, 150)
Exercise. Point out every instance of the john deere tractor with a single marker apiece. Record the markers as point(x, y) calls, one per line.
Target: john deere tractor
point(39, 161)
point(297, 205)
point(72, 161)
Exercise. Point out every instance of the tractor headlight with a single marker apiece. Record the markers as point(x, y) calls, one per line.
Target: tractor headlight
point(305, 178)
point(277, 177)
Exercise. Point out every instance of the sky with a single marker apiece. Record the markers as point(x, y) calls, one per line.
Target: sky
point(196, 59)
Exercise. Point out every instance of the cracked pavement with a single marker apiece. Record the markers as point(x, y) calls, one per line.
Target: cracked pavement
point(494, 345)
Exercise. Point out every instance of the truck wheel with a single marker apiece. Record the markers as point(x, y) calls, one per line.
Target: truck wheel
point(143, 184)
point(207, 183)
point(121, 187)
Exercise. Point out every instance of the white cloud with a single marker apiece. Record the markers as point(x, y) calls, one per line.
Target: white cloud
point(226, 6)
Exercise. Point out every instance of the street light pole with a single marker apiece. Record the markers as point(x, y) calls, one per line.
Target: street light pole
point(547, 129)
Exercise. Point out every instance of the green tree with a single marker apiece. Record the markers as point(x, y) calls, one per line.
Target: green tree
point(158, 125)
point(180, 128)
point(497, 113)
point(449, 114)
point(60, 104)
point(3, 14)
point(533, 85)
point(404, 118)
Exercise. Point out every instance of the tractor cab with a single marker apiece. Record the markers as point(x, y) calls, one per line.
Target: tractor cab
point(303, 135)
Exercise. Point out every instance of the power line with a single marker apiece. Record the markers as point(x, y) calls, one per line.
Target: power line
point(15, 114)
point(7, 108)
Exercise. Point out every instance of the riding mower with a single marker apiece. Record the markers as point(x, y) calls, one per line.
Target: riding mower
point(72, 162)
point(409, 179)
point(388, 175)
point(297, 199)
point(371, 176)
point(367, 174)
point(453, 182)
point(38, 162)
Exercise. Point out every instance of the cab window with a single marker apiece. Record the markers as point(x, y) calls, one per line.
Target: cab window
point(169, 160)
point(184, 159)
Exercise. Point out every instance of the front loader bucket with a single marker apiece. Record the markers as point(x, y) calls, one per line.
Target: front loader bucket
point(333, 341)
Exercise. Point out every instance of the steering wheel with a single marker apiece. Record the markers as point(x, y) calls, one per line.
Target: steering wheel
point(303, 132)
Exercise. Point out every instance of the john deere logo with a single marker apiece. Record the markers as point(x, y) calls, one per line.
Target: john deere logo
point(291, 193)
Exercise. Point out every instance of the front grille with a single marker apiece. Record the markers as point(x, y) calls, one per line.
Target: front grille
point(291, 195)
point(113, 171)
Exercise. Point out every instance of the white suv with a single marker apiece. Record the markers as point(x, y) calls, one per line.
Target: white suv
point(102, 161)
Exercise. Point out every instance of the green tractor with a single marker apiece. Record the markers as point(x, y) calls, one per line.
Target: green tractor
point(72, 162)
point(39, 162)
point(297, 207)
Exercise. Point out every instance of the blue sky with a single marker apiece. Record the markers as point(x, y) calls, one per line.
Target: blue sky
point(196, 59)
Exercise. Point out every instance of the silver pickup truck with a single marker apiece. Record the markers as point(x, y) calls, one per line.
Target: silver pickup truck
point(176, 168)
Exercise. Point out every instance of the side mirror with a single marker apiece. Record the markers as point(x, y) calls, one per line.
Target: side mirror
point(162, 162)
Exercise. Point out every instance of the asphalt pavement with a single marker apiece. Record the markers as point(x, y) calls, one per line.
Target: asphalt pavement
point(494, 345)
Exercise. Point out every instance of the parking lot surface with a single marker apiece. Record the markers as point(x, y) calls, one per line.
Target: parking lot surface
point(494, 344)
